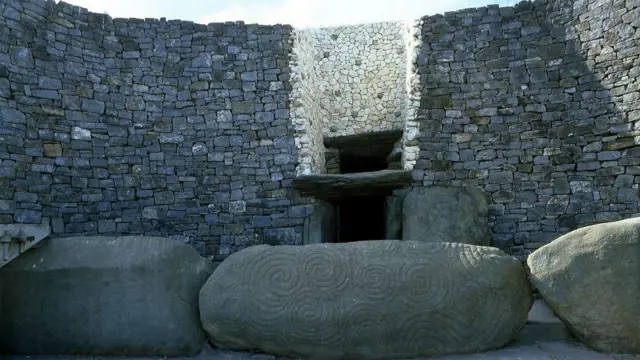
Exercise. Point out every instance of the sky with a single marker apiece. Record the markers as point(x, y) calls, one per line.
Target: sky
point(299, 13)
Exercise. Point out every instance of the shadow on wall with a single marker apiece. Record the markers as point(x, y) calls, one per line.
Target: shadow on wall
point(537, 104)
point(130, 126)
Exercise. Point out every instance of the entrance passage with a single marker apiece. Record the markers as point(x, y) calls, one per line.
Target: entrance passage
point(361, 218)
point(356, 194)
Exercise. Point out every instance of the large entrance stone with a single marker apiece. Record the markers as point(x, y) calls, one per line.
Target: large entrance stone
point(446, 214)
point(384, 299)
point(103, 296)
point(590, 278)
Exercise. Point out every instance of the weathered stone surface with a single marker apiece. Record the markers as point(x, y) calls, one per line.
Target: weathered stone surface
point(78, 133)
point(26, 216)
point(103, 296)
point(98, 120)
point(332, 186)
point(589, 278)
point(320, 227)
point(449, 215)
point(393, 216)
point(516, 116)
point(366, 300)
point(538, 351)
point(17, 232)
point(52, 150)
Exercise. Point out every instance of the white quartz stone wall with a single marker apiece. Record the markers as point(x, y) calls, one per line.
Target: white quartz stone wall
point(306, 114)
point(361, 73)
point(351, 80)
point(413, 44)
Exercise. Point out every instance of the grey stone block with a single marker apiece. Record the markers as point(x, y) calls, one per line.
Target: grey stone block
point(366, 313)
point(160, 319)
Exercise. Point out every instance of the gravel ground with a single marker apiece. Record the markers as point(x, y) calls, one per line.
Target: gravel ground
point(540, 351)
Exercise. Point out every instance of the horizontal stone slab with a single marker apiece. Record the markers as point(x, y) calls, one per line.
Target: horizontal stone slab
point(363, 140)
point(334, 186)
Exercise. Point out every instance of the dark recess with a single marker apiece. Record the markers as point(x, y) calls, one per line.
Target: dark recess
point(363, 217)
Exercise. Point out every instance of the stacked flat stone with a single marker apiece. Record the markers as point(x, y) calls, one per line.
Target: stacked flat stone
point(538, 104)
point(156, 127)
point(352, 81)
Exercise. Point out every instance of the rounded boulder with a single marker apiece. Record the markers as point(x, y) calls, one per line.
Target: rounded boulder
point(589, 278)
point(103, 295)
point(378, 299)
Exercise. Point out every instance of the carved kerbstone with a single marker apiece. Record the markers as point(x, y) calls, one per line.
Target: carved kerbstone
point(384, 299)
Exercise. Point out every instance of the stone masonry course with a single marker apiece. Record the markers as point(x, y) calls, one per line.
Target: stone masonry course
point(196, 132)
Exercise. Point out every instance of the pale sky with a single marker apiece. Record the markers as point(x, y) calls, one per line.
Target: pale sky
point(299, 13)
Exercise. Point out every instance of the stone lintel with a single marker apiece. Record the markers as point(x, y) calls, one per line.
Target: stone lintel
point(363, 140)
point(336, 186)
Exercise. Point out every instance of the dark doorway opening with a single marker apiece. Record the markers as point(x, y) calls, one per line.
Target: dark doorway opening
point(351, 162)
point(361, 218)
point(357, 191)
point(362, 153)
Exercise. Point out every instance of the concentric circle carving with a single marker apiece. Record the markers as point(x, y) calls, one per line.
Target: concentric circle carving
point(326, 270)
point(361, 319)
point(425, 287)
point(375, 282)
point(313, 318)
point(418, 330)
point(386, 299)
point(278, 268)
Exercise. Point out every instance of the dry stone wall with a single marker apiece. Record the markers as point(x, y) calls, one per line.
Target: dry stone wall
point(362, 74)
point(156, 127)
point(538, 105)
point(306, 110)
point(129, 126)
point(413, 89)
point(347, 80)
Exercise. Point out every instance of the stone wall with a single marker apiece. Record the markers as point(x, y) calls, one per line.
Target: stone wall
point(307, 114)
point(129, 126)
point(413, 90)
point(347, 80)
point(537, 104)
point(361, 73)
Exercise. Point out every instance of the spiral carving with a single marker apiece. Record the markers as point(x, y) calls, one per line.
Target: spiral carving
point(375, 299)
point(425, 288)
point(312, 319)
point(375, 282)
point(363, 319)
point(418, 330)
point(326, 270)
point(279, 269)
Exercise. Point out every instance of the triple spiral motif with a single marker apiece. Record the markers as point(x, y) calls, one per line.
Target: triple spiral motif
point(368, 299)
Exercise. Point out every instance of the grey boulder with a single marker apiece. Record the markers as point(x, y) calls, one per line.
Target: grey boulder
point(590, 278)
point(103, 296)
point(383, 299)
point(446, 214)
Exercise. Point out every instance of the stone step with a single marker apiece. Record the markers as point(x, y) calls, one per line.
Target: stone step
point(15, 239)
point(543, 326)
point(541, 313)
point(540, 333)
